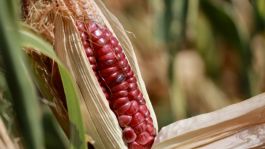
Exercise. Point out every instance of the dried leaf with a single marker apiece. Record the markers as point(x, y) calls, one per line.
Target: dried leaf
point(218, 128)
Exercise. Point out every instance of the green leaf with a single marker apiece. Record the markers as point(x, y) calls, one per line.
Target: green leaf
point(34, 41)
point(77, 140)
point(54, 135)
point(171, 21)
point(259, 13)
point(18, 79)
point(76, 123)
point(3, 85)
point(222, 22)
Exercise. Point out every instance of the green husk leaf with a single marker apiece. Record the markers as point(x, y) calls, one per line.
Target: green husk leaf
point(77, 138)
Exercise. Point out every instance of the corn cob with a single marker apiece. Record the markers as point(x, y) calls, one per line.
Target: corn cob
point(118, 83)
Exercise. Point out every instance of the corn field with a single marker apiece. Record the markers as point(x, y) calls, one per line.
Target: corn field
point(111, 73)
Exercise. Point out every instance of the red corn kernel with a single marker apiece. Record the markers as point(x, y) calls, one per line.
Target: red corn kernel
point(107, 71)
point(140, 100)
point(107, 56)
point(108, 34)
point(92, 60)
point(113, 77)
point(150, 129)
point(133, 94)
point(140, 128)
point(149, 121)
point(129, 135)
point(104, 50)
point(143, 109)
point(118, 49)
point(86, 45)
point(80, 26)
point(135, 145)
point(114, 41)
point(130, 74)
point(92, 27)
point(107, 63)
point(117, 103)
point(132, 80)
point(121, 86)
point(119, 94)
point(123, 63)
point(97, 34)
point(139, 97)
point(137, 119)
point(144, 138)
point(119, 79)
point(124, 120)
point(132, 86)
point(101, 42)
point(134, 108)
point(149, 143)
point(89, 52)
point(123, 109)
point(84, 36)
point(125, 69)
point(120, 56)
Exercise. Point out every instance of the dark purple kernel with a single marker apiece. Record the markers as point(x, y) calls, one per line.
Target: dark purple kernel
point(120, 78)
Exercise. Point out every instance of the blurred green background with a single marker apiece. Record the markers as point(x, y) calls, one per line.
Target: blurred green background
point(196, 56)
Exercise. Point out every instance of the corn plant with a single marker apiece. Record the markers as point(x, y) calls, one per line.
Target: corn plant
point(69, 73)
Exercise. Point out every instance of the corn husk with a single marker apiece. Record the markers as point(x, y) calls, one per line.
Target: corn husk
point(101, 123)
point(105, 128)
point(240, 125)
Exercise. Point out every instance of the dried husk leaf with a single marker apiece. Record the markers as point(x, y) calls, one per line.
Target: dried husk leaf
point(250, 137)
point(237, 126)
